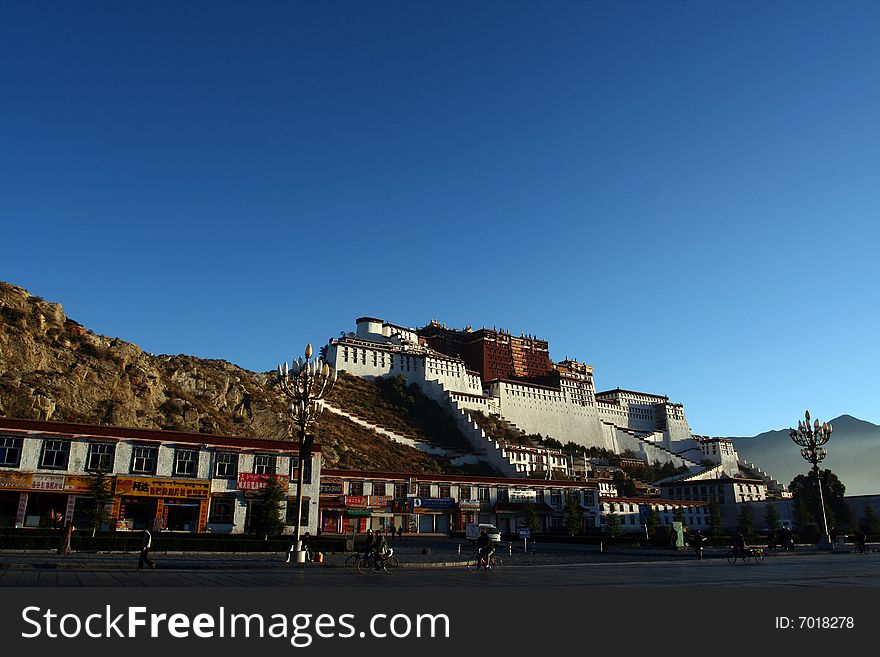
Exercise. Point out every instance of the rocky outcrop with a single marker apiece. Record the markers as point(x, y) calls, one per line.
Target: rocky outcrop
point(52, 368)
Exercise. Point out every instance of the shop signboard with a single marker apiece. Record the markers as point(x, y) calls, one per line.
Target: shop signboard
point(331, 488)
point(433, 502)
point(253, 481)
point(161, 487)
point(15, 480)
point(521, 496)
point(378, 501)
point(356, 501)
point(469, 505)
point(81, 483)
point(47, 482)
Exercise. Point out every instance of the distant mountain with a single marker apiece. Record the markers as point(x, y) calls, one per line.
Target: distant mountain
point(853, 454)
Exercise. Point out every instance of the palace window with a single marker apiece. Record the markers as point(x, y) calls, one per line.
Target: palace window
point(294, 470)
point(222, 510)
point(226, 465)
point(10, 451)
point(143, 459)
point(55, 454)
point(100, 457)
point(264, 464)
point(186, 462)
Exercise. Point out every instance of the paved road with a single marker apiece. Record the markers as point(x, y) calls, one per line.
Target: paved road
point(846, 570)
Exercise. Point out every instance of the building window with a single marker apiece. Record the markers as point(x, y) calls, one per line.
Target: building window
point(424, 490)
point(355, 488)
point(483, 494)
point(378, 488)
point(100, 458)
point(290, 516)
point(10, 451)
point(143, 459)
point(503, 495)
point(186, 462)
point(222, 510)
point(264, 464)
point(226, 465)
point(589, 500)
point(399, 491)
point(539, 496)
point(294, 470)
point(464, 492)
point(445, 491)
point(55, 454)
point(555, 498)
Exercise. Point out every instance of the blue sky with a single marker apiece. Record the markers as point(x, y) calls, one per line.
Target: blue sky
point(683, 194)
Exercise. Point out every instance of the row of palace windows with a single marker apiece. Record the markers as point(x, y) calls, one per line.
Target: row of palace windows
point(55, 455)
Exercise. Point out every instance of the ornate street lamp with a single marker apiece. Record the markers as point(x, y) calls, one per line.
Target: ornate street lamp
point(305, 383)
point(811, 439)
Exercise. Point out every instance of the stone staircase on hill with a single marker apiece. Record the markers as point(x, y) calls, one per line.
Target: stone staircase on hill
point(458, 458)
point(773, 485)
point(653, 452)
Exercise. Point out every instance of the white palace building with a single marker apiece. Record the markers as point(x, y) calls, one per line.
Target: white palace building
point(512, 377)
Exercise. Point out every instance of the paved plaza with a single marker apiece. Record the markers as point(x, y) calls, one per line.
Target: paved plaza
point(439, 563)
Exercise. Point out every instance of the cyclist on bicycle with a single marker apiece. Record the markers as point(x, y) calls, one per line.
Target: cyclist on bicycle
point(739, 545)
point(370, 545)
point(486, 548)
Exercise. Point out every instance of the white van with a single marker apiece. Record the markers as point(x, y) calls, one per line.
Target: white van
point(472, 531)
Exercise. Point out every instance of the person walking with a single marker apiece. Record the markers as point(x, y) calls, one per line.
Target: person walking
point(146, 544)
point(400, 531)
point(64, 546)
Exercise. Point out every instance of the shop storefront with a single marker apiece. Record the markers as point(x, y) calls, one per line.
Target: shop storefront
point(159, 503)
point(41, 500)
point(432, 514)
point(363, 512)
point(468, 511)
point(331, 506)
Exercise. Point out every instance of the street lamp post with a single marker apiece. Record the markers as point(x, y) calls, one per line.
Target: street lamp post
point(811, 439)
point(305, 383)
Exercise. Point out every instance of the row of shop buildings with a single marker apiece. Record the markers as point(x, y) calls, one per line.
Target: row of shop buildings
point(189, 482)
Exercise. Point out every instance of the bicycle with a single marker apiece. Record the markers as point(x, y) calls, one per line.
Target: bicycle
point(387, 562)
point(745, 555)
point(493, 563)
point(358, 563)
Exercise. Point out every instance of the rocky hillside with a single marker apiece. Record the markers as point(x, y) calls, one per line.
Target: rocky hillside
point(53, 368)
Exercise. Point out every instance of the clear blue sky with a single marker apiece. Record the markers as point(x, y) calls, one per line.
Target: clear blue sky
point(683, 194)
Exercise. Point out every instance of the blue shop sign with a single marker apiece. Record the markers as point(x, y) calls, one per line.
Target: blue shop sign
point(433, 502)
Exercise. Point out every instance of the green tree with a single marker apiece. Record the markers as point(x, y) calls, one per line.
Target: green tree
point(532, 521)
point(714, 517)
point(626, 487)
point(771, 515)
point(869, 523)
point(268, 508)
point(744, 520)
point(612, 522)
point(804, 488)
point(99, 489)
point(574, 515)
point(803, 519)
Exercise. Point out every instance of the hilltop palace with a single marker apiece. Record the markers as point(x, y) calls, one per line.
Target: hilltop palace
point(513, 378)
